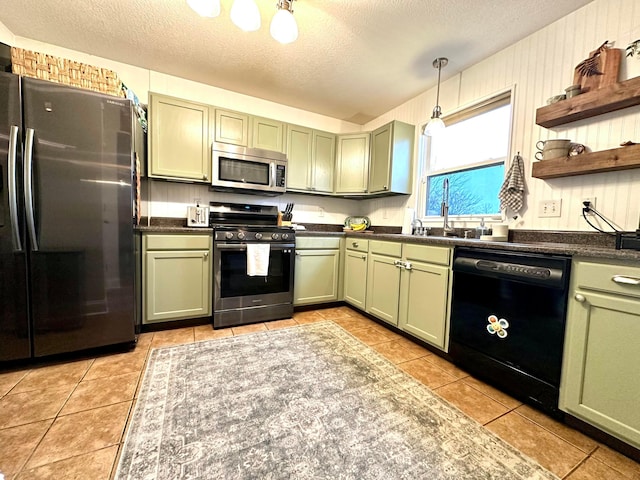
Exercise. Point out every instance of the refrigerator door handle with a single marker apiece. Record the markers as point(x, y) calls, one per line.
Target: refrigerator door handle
point(13, 190)
point(28, 188)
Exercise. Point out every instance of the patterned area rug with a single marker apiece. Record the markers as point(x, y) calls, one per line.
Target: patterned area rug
point(307, 402)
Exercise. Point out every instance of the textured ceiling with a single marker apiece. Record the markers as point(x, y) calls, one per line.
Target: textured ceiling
point(353, 60)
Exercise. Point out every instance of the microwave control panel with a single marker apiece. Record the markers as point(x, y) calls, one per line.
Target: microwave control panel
point(280, 176)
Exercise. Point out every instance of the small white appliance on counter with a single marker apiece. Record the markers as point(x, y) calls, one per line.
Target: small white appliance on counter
point(197, 216)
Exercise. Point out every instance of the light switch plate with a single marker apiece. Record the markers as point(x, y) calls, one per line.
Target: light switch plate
point(550, 208)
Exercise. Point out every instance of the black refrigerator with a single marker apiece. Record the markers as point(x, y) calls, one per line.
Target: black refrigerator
point(66, 220)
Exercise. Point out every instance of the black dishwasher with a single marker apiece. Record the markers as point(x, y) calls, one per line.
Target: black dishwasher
point(508, 320)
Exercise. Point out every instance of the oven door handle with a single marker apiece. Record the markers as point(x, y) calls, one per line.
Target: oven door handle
point(243, 246)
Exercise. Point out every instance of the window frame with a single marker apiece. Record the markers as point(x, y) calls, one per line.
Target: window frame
point(505, 96)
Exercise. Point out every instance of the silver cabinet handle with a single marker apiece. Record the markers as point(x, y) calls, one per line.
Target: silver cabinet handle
point(206, 255)
point(28, 188)
point(363, 257)
point(398, 263)
point(580, 298)
point(626, 280)
point(407, 265)
point(205, 177)
point(355, 244)
point(13, 190)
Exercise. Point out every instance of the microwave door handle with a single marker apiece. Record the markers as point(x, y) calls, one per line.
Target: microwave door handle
point(272, 167)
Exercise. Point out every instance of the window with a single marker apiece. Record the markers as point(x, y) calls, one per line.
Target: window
point(471, 153)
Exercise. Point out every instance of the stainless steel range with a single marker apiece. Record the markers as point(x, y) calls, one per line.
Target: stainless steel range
point(240, 295)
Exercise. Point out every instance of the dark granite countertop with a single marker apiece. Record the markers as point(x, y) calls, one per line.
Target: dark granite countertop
point(532, 244)
point(584, 244)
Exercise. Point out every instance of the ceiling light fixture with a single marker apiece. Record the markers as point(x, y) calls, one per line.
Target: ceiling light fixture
point(283, 25)
point(205, 8)
point(435, 123)
point(245, 14)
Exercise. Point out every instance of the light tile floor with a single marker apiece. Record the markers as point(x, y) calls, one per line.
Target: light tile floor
point(67, 421)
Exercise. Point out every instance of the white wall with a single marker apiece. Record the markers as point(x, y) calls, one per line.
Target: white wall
point(540, 66)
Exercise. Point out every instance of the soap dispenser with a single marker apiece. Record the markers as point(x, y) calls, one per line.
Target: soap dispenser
point(481, 229)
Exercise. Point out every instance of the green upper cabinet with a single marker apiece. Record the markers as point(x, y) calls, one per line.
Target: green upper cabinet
point(232, 127)
point(323, 161)
point(600, 382)
point(267, 134)
point(310, 154)
point(299, 148)
point(352, 160)
point(179, 139)
point(391, 158)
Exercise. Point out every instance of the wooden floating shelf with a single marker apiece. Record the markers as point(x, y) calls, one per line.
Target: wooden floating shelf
point(622, 158)
point(606, 99)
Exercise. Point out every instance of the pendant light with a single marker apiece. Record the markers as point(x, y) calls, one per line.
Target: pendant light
point(283, 26)
point(245, 14)
point(435, 123)
point(205, 8)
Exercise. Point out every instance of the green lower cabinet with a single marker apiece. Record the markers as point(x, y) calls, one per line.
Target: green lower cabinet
point(600, 381)
point(176, 282)
point(316, 277)
point(424, 302)
point(424, 293)
point(355, 278)
point(383, 287)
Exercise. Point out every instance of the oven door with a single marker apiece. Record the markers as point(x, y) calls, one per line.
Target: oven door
point(234, 289)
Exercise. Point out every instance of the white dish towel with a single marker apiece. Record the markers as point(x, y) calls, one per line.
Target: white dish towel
point(258, 259)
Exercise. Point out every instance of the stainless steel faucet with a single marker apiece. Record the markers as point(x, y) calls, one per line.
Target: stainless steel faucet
point(414, 223)
point(444, 210)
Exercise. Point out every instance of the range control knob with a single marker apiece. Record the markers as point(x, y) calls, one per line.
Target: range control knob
point(258, 236)
point(241, 235)
point(275, 236)
point(228, 235)
point(285, 236)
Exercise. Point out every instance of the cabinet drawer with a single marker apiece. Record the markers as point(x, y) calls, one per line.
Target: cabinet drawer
point(317, 242)
point(357, 244)
point(176, 242)
point(428, 254)
point(391, 249)
point(601, 276)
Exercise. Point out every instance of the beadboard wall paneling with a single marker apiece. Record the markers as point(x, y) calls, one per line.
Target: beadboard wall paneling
point(540, 66)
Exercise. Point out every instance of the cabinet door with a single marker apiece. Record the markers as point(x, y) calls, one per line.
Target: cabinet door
point(600, 382)
point(391, 158)
point(323, 155)
point(383, 288)
point(352, 163)
point(299, 152)
point(355, 278)
point(380, 159)
point(267, 134)
point(316, 278)
point(177, 285)
point(232, 127)
point(424, 302)
point(179, 139)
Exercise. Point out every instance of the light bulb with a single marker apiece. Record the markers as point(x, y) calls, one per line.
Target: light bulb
point(284, 27)
point(435, 125)
point(245, 14)
point(205, 8)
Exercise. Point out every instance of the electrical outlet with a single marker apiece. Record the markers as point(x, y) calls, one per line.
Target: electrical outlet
point(592, 201)
point(550, 208)
point(320, 212)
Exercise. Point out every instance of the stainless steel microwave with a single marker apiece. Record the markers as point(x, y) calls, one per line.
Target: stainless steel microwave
point(252, 170)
